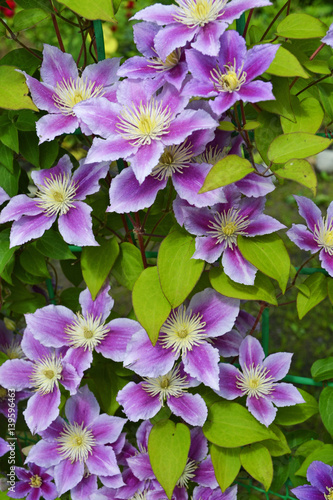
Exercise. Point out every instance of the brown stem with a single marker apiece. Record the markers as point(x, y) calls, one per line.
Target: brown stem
point(247, 22)
point(108, 228)
point(128, 232)
point(275, 18)
point(55, 276)
point(288, 7)
point(14, 37)
point(56, 28)
point(261, 310)
point(286, 303)
point(155, 227)
point(83, 46)
point(138, 231)
point(314, 83)
point(310, 59)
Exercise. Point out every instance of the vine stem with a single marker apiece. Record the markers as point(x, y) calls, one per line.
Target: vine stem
point(261, 310)
point(310, 59)
point(14, 37)
point(56, 28)
point(314, 83)
point(138, 231)
point(247, 22)
point(275, 18)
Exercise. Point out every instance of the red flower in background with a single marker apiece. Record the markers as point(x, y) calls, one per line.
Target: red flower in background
point(10, 11)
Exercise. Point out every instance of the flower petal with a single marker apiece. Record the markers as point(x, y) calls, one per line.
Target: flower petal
point(86, 487)
point(137, 403)
point(100, 307)
point(15, 374)
point(107, 429)
point(52, 125)
point(278, 364)
point(82, 407)
point(42, 410)
point(228, 382)
point(190, 407)
point(87, 178)
point(28, 228)
point(326, 261)
point(258, 60)
point(172, 37)
point(202, 363)
point(250, 352)
point(114, 345)
point(307, 492)
point(67, 475)
point(309, 211)
point(256, 91)
point(20, 205)
point(320, 476)
point(102, 461)
point(45, 454)
point(103, 73)
point(302, 237)
point(286, 395)
point(76, 225)
point(48, 325)
point(262, 409)
point(238, 268)
point(208, 38)
point(57, 66)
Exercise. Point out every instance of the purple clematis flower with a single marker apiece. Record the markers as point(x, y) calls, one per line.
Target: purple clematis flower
point(59, 193)
point(188, 332)
point(258, 380)
point(202, 493)
point(318, 236)
point(4, 447)
point(320, 476)
point(141, 125)
point(229, 77)
point(328, 38)
point(228, 345)
point(201, 22)
point(42, 370)
point(82, 333)
point(142, 401)
point(3, 196)
point(62, 88)
point(79, 448)
point(33, 484)
point(217, 229)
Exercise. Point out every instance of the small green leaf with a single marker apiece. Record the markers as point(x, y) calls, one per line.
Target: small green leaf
point(70, 298)
point(9, 136)
point(326, 97)
point(28, 18)
point(48, 152)
point(286, 64)
point(149, 303)
point(277, 447)
point(96, 263)
point(269, 255)
point(251, 125)
point(168, 447)
point(6, 156)
point(322, 454)
point(262, 289)
point(264, 135)
point(325, 408)
point(308, 114)
point(306, 448)
point(34, 262)
point(103, 9)
point(5, 251)
point(257, 461)
point(29, 147)
point(322, 369)
point(52, 245)
point(316, 283)
point(10, 180)
point(226, 463)
point(231, 425)
point(72, 271)
point(301, 26)
point(14, 90)
point(296, 145)
point(177, 270)
point(299, 171)
point(282, 103)
point(299, 413)
point(230, 169)
point(128, 265)
point(227, 126)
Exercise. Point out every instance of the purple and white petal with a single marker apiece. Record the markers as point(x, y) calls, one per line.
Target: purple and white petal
point(187, 122)
point(51, 125)
point(238, 268)
point(320, 475)
point(62, 168)
point(262, 409)
point(144, 34)
point(28, 228)
point(18, 206)
point(41, 410)
point(278, 364)
point(309, 211)
point(100, 115)
point(202, 363)
point(45, 454)
point(16, 374)
point(67, 475)
point(171, 37)
point(49, 323)
point(286, 395)
point(207, 248)
point(307, 492)
point(302, 237)
point(76, 225)
point(86, 487)
point(326, 261)
point(87, 178)
point(254, 185)
point(223, 102)
point(263, 224)
point(208, 38)
point(78, 361)
point(234, 9)
point(107, 429)
point(111, 149)
point(250, 352)
point(57, 66)
point(256, 91)
point(233, 49)
point(157, 13)
point(229, 375)
point(114, 345)
point(228, 344)
point(140, 466)
point(102, 461)
point(41, 94)
point(137, 403)
point(190, 407)
point(204, 475)
point(98, 308)
point(199, 445)
point(103, 73)
point(258, 59)
point(145, 159)
point(82, 407)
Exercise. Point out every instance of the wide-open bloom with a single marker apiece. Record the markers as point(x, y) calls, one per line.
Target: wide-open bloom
point(62, 88)
point(318, 236)
point(217, 228)
point(328, 38)
point(201, 22)
point(258, 379)
point(140, 125)
point(59, 194)
point(142, 401)
point(82, 333)
point(33, 484)
point(320, 476)
point(229, 77)
point(76, 447)
point(43, 369)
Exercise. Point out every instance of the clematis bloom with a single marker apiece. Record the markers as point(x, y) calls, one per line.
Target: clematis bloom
point(320, 476)
point(33, 484)
point(328, 38)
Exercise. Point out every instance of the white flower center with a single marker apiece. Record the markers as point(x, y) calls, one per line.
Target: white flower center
point(46, 373)
point(329, 496)
point(226, 226)
point(323, 234)
point(14, 350)
point(35, 481)
point(76, 442)
point(182, 331)
point(195, 13)
point(86, 332)
point(255, 381)
point(139, 495)
point(171, 384)
point(211, 155)
point(173, 159)
point(171, 61)
point(188, 473)
point(144, 123)
point(56, 194)
point(230, 80)
point(70, 92)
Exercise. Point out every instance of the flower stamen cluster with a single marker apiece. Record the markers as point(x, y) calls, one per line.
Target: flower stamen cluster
point(323, 234)
point(46, 373)
point(86, 332)
point(227, 226)
point(170, 62)
point(195, 13)
point(254, 381)
point(187, 474)
point(35, 481)
point(211, 155)
point(56, 195)
point(230, 80)
point(76, 442)
point(164, 386)
point(70, 92)
point(173, 159)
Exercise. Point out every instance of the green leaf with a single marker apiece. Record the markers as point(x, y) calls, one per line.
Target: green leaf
point(269, 255)
point(22, 301)
point(22, 59)
point(9, 180)
point(330, 289)
point(286, 64)
point(5, 251)
point(96, 263)
point(301, 26)
point(24, 119)
point(103, 9)
point(29, 147)
point(128, 265)
point(177, 270)
point(282, 104)
point(277, 448)
point(326, 408)
point(72, 271)
point(326, 97)
point(299, 413)
point(251, 125)
point(296, 145)
point(231, 425)
point(308, 114)
point(6, 156)
point(226, 463)
point(6, 273)
point(31, 4)
point(322, 454)
point(310, 446)
point(34, 262)
point(70, 298)
point(227, 126)
point(262, 289)
point(299, 171)
point(264, 135)
point(52, 245)
point(168, 447)
point(48, 152)
point(28, 18)
point(14, 90)
point(150, 305)
point(257, 461)
point(316, 283)
point(9, 136)
point(230, 169)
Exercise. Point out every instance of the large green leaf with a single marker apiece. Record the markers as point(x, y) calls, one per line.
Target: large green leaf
point(14, 90)
point(282, 103)
point(10, 180)
point(301, 26)
point(269, 255)
point(231, 425)
point(230, 169)
point(308, 114)
point(316, 283)
point(96, 263)
point(177, 270)
point(277, 447)
point(5, 251)
point(28, 18)
point(299, 171)
point(296, 145)
point(326, 408)
point(322, 369)
point(150, 305)
point(292, 415)
point(103, 9)
point(34, 262)
point(286, 64)
point(22, 59)
point(264, 135)
point(262, 289)
point(168, 447)
point(128, 265)
point(257, 461)
point(322, 454)
point(226, 463)
point(52, 245)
